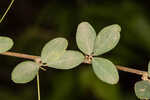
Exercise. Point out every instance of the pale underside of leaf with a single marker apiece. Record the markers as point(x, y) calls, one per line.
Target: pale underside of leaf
point(142, 89)
point(6, 43)
point(25, 72)
point(105, 70)
point(107, 39)
point(85, 37)
point(68, 60)
point(54, 49)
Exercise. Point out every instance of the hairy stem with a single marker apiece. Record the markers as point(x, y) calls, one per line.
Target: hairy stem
point(32, 57)
point(7, 11)
point(38, 86)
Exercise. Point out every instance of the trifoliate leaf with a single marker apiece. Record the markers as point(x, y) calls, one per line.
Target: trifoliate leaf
point(142, 89)
point(85, 37)
point(53, 50)
point(107, 39)
point(149, 69)
point(25, 72)
point(105, 70)
point(68, 60)
point(6, 43)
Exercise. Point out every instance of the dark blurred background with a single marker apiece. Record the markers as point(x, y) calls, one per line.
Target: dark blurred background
point(32, 23)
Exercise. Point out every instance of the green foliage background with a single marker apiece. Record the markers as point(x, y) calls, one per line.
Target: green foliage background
point(32, 23)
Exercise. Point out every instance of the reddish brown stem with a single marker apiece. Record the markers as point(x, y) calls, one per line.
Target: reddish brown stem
point(20, 55)
point(37, 59)
point(130, 70)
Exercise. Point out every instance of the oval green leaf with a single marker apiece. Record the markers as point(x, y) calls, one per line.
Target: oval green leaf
point(68, 60)
point(6, 43)
point(107, 39)
point(149, 69)
point(85, 37)
point(25, 72)
point(54, 49)
point(105, 70)
point(142, 89)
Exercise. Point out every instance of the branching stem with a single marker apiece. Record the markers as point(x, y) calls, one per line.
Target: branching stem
point(35, 58)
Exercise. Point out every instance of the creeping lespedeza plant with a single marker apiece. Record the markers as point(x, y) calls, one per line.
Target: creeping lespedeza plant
point(55, 55)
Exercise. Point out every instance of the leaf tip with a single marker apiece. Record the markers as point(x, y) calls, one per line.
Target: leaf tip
point(6, 44)
point(116, 27)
